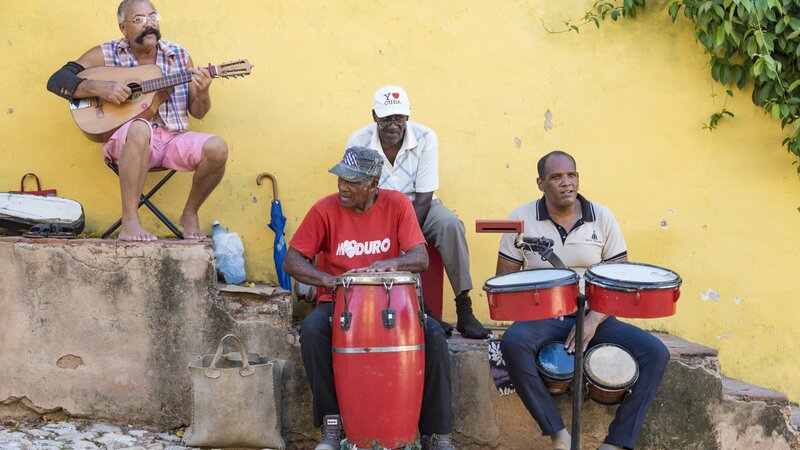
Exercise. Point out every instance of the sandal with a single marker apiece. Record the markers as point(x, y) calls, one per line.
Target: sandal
point(51, 230)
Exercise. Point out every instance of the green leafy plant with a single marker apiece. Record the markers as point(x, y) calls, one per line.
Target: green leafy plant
point(717, 116)
point(747, 41)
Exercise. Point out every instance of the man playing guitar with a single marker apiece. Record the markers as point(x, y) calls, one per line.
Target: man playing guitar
point(162, 141)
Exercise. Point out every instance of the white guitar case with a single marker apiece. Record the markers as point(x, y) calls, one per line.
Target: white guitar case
point(19, 212)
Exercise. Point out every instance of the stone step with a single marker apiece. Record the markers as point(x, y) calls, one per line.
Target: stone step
point(742, 390)
point(261, 302)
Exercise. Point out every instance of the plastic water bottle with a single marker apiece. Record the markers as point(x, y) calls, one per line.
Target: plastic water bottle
point(229, 254)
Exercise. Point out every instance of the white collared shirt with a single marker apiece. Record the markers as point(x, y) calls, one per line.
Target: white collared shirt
point(416, 167)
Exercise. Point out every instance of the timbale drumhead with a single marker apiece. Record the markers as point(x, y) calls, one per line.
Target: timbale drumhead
point(377, 278)
point(526, 280)
point(611, 366)
point(554, 361)
point(632, 275)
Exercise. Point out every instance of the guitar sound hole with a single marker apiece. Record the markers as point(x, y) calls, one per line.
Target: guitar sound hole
point(136, 91)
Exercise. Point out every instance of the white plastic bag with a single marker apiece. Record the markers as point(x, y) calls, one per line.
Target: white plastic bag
point(229, 253)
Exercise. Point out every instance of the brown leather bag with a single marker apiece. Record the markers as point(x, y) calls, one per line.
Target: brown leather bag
point(236, 399)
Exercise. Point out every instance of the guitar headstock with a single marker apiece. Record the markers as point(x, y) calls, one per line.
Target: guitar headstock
point(231, 69)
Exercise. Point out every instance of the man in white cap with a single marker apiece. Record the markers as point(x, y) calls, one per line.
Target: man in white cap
point(410, 154)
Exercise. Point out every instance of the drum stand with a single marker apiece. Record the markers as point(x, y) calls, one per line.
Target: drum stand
point(577, 381)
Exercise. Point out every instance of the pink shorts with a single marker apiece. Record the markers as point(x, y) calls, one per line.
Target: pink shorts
point(179, 150)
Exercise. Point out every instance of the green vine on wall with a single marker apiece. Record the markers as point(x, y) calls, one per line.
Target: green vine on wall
point(748, 41)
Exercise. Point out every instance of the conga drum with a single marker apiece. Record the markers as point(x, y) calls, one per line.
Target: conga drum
point(633, 290)
point(556, 367)
point(610, 371)
point(378, 345)
point(532, 294)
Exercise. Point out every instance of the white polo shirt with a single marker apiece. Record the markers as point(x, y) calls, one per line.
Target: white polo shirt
point(596, 237)
point(416, 167)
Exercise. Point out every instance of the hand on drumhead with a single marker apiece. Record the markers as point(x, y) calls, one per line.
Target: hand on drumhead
point(386, 265)
point(590, 323)
point(588, 333)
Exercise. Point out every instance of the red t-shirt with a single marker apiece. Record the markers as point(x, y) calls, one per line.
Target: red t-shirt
point(349, 239)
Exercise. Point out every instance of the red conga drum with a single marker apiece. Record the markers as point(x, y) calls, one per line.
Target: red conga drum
point(633, 290)
point(378, 357)
point(532, 294)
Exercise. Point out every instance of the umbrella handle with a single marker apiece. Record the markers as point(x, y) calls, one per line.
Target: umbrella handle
point(274, 183)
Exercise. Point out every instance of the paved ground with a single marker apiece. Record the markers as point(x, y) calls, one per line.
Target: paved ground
point(84, 435)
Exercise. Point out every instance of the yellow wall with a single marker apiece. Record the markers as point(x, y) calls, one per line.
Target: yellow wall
point(627, 101)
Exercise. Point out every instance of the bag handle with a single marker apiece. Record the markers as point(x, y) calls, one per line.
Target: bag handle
point(213, 372)
point(22, 181)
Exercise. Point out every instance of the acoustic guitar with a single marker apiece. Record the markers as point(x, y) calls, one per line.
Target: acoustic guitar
point(149, 88)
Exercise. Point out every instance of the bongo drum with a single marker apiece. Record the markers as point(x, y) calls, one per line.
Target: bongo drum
point(632, 290)
point(556, 367)
point(378, 345)
point(532, 294)
point(610, 371)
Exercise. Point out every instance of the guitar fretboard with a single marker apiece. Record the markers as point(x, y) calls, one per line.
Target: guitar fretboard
point(169, 81)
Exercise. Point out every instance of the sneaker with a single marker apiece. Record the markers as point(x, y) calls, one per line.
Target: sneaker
point(436, 442)
point(331, 433)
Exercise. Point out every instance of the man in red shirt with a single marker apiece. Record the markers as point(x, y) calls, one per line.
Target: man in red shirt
point(363, 229)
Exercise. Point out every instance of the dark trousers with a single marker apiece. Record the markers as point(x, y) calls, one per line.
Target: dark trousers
point(315, 345)
point(522, 341)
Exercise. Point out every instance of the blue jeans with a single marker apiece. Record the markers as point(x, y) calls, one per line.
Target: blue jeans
point(522, 342)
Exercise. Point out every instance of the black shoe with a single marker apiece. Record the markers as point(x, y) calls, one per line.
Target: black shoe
point(436, 442)
point(331, 433)
point(467, 324)
point(446, 327)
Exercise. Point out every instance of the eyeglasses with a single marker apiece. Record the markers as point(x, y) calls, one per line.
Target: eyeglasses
point(141, 20)
point(384, 122)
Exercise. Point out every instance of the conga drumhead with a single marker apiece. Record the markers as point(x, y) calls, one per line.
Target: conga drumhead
point(631, 276)
point(610, 366)
point(554, 362)
point(376, 278)
point(526, 280)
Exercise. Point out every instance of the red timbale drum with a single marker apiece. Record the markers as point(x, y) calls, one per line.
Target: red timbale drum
point(378, 357)
point(634, 290)
point(532, 294)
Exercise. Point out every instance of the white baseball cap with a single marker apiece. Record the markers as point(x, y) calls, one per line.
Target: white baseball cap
point(390, 101)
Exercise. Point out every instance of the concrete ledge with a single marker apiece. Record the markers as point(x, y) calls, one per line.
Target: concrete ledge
point(105, 329)
point(741, 390)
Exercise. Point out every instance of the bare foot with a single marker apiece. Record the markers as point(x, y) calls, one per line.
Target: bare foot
point(191, 226)
point(133, 231)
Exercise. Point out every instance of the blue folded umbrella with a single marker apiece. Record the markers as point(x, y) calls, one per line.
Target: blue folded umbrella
point(277, 223)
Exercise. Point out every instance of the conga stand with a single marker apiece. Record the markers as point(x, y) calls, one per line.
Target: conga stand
point(577, 381)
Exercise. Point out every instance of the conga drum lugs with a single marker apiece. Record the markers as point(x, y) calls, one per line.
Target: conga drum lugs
point(610, 371)
point(532, 294)
point(633, 290)
point(556, 367)
point(378, 357)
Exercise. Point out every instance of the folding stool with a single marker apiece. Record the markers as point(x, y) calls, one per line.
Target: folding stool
point(144, 199)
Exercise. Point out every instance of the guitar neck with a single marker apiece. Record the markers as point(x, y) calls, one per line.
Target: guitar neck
point(169, 81)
